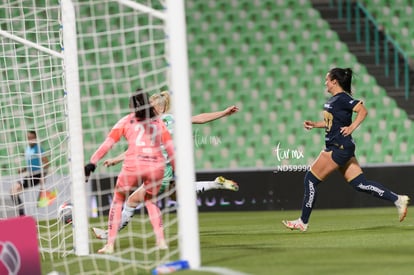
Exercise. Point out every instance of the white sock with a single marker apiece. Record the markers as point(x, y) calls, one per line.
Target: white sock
point(127, 214)
point(202, 186)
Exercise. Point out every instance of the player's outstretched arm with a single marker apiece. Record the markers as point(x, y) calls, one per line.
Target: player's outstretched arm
point(115, 160)
point(207, 117)
point(45, 162)
point(312, 124)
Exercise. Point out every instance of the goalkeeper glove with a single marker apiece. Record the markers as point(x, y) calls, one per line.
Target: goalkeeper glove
point(89, 168)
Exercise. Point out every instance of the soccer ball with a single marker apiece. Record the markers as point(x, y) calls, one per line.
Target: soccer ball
point(65, 213)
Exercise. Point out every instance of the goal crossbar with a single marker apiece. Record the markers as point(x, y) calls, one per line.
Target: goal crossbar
point(30, 44)
point(143, 8)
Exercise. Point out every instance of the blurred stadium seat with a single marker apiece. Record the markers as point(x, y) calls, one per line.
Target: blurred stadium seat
point(270, 58)
point(289, 73)
point(396, 17)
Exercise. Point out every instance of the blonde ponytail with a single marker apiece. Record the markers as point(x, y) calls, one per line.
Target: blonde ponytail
point(162, 100)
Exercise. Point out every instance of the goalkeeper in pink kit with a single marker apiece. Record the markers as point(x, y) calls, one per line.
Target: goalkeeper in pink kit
point(144, 163)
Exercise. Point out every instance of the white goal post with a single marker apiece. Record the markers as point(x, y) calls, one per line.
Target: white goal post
point(187, 211)
point(80, 217)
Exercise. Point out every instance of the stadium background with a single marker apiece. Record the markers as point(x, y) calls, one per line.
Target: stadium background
point(269, 57)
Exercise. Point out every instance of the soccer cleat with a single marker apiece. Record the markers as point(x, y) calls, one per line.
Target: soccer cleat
point(107, 249)
point(51, 196)
point(402, 205)
point(100, 233)
point(42, 199)
point(226, 184)
point(46, 198)
point(296, 225)
point(42, 202)
point(162, 245)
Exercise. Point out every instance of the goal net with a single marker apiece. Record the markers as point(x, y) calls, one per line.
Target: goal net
point(121, 46)
point(33, 106)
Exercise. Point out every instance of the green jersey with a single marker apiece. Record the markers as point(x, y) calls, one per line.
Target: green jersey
point(168, 120)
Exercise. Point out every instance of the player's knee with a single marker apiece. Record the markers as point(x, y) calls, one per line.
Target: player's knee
point(358, 183)
point(136, 198)
point(311, 179)
point(119, 197)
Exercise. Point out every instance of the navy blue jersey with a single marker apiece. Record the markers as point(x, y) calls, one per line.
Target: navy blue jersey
point(337, 114)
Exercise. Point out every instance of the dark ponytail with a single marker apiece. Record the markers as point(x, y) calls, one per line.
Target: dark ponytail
point(343, 77)
point(139, 102)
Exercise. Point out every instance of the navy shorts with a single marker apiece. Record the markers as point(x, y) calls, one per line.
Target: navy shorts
point(31, 181)
point(341, 153)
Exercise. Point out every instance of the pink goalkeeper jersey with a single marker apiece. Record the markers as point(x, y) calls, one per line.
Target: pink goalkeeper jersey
point(144, 142)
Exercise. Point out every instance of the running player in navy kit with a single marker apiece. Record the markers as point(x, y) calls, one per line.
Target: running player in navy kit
point(340, 149)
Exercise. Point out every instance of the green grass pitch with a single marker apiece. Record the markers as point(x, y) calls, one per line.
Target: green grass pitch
point(339, 241)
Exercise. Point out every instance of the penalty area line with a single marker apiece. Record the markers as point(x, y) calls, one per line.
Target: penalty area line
point(220, 270)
